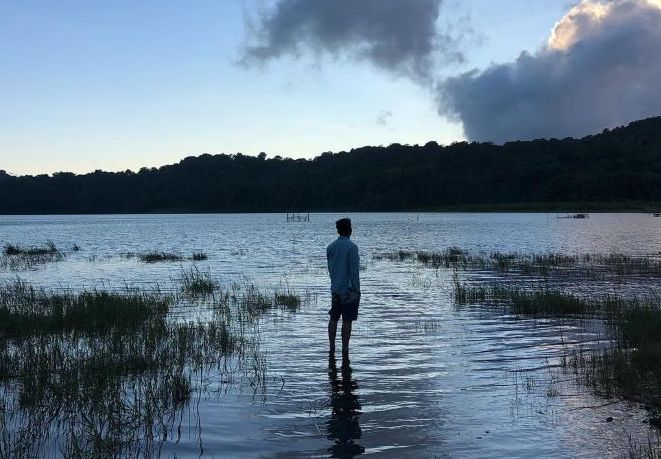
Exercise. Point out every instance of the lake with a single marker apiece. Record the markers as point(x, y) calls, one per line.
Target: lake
point(427, 378)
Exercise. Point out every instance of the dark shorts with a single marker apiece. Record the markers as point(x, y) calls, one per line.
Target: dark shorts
point(345, 305)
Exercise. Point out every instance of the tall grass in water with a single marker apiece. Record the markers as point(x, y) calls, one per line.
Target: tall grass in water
point(15, 250)
point(538, 302)
point(630, 369)
point(584, 265)
point(255, 302)
point(197, 283)
point(155, 257)
point(105, 374)
point(160, 256)
point(15, 257)
point(26, 311)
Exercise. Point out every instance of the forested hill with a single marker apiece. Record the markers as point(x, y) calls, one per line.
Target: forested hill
point(622, 165)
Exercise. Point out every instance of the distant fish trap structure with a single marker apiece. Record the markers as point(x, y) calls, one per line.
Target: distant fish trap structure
point(294, 217)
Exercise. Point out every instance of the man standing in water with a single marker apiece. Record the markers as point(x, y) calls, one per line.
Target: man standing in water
point(343, 266)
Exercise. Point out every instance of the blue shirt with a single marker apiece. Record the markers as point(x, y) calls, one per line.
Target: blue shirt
point(343, 265)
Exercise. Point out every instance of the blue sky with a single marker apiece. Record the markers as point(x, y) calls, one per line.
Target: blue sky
point(125, 84)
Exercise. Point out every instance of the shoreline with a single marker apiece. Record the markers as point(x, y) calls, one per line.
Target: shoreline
point(642, 207)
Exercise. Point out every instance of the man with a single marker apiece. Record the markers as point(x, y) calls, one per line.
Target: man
point(343, 266)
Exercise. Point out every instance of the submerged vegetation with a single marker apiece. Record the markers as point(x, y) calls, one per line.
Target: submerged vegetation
point(540, 264)
point(627, 369)
point(48, 249)
point(154, 257)
point(26, 311)
point(541, 302)
point(196, 282)
point(106, 373)
point(15, 257)
point(161, 256)
point(548, 285)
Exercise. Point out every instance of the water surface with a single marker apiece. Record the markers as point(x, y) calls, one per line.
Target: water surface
point(426, 378)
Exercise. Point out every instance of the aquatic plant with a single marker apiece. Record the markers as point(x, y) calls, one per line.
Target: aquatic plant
point(287, 300)
point(538, 302)
point(15, 257)
point(15, 250)
point(25, 310)
point(105, 373)
point(629, 369)
point(154, 257)
point(195, 282)
point(544, 264)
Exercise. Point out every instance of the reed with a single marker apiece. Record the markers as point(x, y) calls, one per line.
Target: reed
point(16, 258)
point(105, 374)
point(629, 369)
point(576, 265)
point(197, 283)
point(155, 257)
point(25, 310)
point(48, 249)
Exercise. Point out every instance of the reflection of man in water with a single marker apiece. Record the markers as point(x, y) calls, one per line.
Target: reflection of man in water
point(343, 267)
point(343, 427)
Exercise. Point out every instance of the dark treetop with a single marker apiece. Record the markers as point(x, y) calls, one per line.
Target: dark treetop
point(618, 166)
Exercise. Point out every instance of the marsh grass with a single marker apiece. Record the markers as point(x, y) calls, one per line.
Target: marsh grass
point(538, 302)
point(425, 325)
point(161, 256)
point(255, 302)
point(287, 299)
point(155, 257)
point(25, 310)
point(197, 283)
point(107, 373)
point(16, 258)
point(113, 393)
point(544, 264)
point(628, 369)
point(48, 249)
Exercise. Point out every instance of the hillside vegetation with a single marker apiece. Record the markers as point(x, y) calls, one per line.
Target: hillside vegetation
point(621, 167)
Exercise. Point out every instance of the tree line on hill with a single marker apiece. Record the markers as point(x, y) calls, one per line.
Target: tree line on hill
point(619, 165)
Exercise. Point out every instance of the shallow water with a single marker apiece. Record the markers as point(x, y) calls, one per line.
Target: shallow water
point(427, 378)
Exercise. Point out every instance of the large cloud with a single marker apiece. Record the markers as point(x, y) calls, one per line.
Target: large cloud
point(396, 35)
point(600, 68)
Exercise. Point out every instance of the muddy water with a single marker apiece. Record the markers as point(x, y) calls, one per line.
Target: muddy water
point(426, 378)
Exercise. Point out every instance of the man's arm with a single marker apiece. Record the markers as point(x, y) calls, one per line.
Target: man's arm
point(354, 268)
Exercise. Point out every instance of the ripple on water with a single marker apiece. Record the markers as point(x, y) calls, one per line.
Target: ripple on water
point(470, 383)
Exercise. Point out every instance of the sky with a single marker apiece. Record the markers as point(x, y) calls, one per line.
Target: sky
point(124, 84)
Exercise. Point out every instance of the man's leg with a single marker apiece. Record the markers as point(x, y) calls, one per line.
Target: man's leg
point(332, 330)
point(346, 335)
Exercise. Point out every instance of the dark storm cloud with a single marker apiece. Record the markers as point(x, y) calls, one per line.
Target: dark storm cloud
point(601, 68)
point(400, 36)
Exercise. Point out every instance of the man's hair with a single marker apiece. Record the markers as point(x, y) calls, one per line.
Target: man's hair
point(343, 226)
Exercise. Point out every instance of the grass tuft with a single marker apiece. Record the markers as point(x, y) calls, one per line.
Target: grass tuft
point(155, 257)
point(48, 249)
point(26, 311)
point(194, 282)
